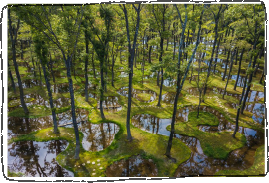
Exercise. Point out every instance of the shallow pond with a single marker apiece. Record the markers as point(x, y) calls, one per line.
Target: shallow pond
point(255, 107)
point(18, 125)
point(169, 97)
point(134, 166)
point(110, 104)
point(169, 82)
point(29, 83)
point(253, 96)
point(124, 92)
point(199, 163)
point(97, 136)
point(37, 159)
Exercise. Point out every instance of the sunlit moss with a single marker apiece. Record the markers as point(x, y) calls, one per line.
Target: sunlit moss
point(257, 169)
point(144, 96)
point(14, 174)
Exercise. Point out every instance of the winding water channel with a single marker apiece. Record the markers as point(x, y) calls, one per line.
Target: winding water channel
point(199, 163)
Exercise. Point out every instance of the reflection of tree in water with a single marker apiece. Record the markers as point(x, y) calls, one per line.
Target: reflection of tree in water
point(26, 125)
point(148, 122)
point(98, 136)
point(37, 158)
point(199, 163)
point(132, 167)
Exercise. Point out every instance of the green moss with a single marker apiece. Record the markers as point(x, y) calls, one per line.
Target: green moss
point(257, 169)
point(148, 145)
point(14, 174)
point(47, 134)
point(34, 112)
point(16, 102)
point(216, 145)
point(144, 96)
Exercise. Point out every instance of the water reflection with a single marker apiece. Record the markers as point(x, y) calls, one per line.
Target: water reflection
point(257, 109)
point(199, 163)
point(65, 118)
point(97, 136)
point(169, 97)
point(37, 159)
point(60, 88)
point(110, 104)
point(169, 82)
point(18, 126)
point(135, 166)
point(124, 92)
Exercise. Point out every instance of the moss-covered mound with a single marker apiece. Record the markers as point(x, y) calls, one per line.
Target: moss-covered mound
point(216, 145)
point(17, 102)
point(257, 169)
point(144, 96)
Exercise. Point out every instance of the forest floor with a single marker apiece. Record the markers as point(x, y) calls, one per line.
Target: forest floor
point(149, 137)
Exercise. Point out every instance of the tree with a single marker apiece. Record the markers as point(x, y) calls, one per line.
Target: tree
point(13, 33)
point(42, 53)
point(230, 70)
point(160, 18)
point(200, 80)
point(179, 82)
point(40, 20)
point(100, 45)
point(239, 68)
point(131, 50)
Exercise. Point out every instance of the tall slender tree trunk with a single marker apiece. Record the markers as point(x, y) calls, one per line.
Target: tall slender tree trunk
point(13, 36)
point(112, 70)
point(158, 78)
point(231, 66)
point(51, 69)
point(160, 60)
point(236, 57)
point(46, 76)
point(216, 57)
point(226, 64)
point(199, 89)
point(256, 68)
point(179, 86)
point(174, 52)
point(130, 65)
point(32, 59)
point(11, 78)
point(21, 49)
point(135, 55)
point(150, 48)
point(93, 66)
point(239, 68)
point(249, 85)
point(86, 68)
point(102, 88)
point(198, 108)
point(191, 75)
point(167, 44)
point(239, 106)
point(73, 110)
point(261, 80)
point(213, 49)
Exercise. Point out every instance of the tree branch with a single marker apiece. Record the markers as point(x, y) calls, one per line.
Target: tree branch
point(180, 14)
